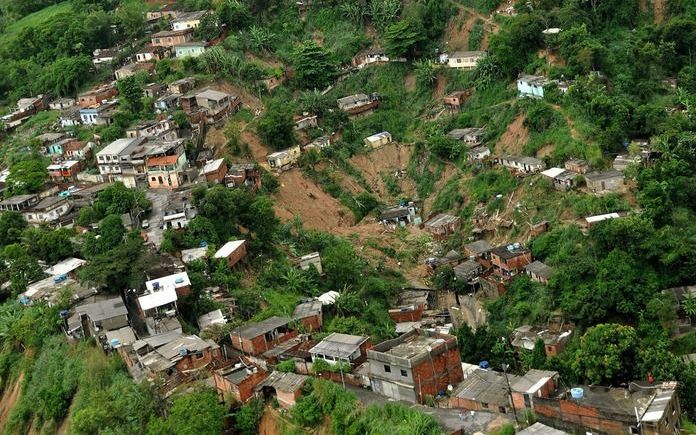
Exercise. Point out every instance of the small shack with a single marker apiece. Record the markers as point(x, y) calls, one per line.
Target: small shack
point(232, 251)
point(442, 225)
point(379, 139)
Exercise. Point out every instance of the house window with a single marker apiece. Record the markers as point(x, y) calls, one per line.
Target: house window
point(484, 405)
point(198, 355)
point(501, 409)
point(635, 430)
point(404, 373)
point(387, 369)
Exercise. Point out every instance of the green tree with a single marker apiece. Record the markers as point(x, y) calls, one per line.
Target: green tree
point(26, 176)
point(49, 245)
point(12, 223)
point(607, 353)
point(130, 18)
point(65, 75)
point(194, 412)
point(404, 38)
point(247, 419)
point(314, 65)
point(275, 127)
point(19, 267)
point(235, 14)
point(130, 91)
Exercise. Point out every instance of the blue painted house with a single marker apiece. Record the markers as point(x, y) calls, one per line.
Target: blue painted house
point(531, 86)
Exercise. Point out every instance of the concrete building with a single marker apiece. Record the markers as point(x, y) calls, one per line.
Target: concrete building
point(478, 154)
point(479, 251)
point(415, 365)
point(604, 181)
point(484, 390)
point(454, 100)
point(350, 349)
point(113, 159)
point(531, 86)
point(522, 164)
point(554, 337)
point(285, 159)
point(562, 179)
point(190, 49)
point(311, 260)
point(379, 139)
point(358, 104)
point(470, 136)
point(541, 429)
point(464, 59)
point(590, 221)
point(539, 271)
point(232, 252)
point(468, 271)
point(578, 166)
point(188, 20)
point(170, 38)
point(48, 210)
point(91, 320)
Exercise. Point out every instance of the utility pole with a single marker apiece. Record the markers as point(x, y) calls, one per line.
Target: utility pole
point(512, 402)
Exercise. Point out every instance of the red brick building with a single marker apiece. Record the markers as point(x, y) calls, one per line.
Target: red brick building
point(415, 365)
point(95, 96)
point(310, 314)
point(641, 409)
point(238, 382)
point(455, 100)
point(534, 383)
point(214, 171)
point(509, 260)
point(257, 338)
point(285, 387)
point(408, 313)
point(232, 252)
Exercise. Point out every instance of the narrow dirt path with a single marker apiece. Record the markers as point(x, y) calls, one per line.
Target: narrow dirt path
point(9, 399)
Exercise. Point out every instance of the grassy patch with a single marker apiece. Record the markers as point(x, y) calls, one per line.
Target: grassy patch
point(476, 35)
point(35, 20)
point(488, 184)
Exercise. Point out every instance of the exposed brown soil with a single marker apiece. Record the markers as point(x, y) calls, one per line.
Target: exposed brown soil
point(515, 137)
point(544, 151)
point(9, 400)
point(300, 196)
point(440, 87)
point(249, 99)
point(447, 173)
point(387, 160)
point(258, 150)
point(269, 422)
point(457, 33)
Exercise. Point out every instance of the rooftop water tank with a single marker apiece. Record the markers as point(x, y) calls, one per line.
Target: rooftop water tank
point(183, 351)
point(484, 364)
point(577, 393)
point(115, 343)
point(179, 280)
